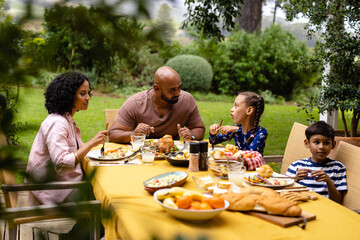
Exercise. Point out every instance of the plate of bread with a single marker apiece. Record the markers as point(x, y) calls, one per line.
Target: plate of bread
point(266, 177)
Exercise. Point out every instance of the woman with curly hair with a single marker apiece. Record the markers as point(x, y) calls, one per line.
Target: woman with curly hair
point(57, 150)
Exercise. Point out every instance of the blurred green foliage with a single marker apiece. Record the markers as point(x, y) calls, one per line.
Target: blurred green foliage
point(195, 72)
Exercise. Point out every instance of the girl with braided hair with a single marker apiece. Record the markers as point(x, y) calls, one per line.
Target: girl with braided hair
point(248, 135)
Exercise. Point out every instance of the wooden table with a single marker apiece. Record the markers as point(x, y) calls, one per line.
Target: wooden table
point(138, 216)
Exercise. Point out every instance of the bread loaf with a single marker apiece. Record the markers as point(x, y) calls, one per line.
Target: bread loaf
point(250, 198)
point(280, 206)
point(265, 171)
point(241, 201)
point(263, 191)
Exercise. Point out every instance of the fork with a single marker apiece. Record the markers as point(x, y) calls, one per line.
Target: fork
point(102, 150)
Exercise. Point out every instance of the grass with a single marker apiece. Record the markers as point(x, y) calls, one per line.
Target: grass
point(277, 119)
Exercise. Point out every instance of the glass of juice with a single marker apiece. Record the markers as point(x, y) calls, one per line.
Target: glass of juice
point(236, 173)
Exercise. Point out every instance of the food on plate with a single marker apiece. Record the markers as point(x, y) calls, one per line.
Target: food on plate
point(223, 184)
point(164, 181)
point(114, 153)
point(265, 171)
point(184, 155)
point(228, 151)
point(165, 144)
point(266, 181)
point(257, 198)
point(181, 198)
point(204, 182)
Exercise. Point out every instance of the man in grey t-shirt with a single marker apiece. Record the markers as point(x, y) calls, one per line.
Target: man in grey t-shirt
point(163, 109)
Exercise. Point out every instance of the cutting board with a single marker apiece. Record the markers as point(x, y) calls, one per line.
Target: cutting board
point(283, 221)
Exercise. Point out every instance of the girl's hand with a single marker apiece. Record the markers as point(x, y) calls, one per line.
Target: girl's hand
point(214, 129)
point(226, 129)
point(320, 176)
point(301, 174)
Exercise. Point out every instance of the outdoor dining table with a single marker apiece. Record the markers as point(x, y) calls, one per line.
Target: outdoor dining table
point(136, 215)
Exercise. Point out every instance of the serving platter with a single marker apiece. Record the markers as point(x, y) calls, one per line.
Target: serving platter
point(95, 154)
point(289, 181)
point(183, 176)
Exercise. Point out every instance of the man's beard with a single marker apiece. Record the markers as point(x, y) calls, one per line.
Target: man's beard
point(173, 100)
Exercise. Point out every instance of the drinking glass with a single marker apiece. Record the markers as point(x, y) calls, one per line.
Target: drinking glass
point(236, 173)
point(137, 140)
point(147, 156)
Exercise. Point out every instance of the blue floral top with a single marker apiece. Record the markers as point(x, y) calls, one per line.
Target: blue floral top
point(258, 144)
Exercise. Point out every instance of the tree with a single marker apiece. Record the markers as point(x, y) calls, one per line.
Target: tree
point(205, 16)
point(165, 23)
point(340, 49)
point(250, 16)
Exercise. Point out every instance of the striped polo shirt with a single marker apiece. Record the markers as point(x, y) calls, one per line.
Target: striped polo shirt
point(334, 169)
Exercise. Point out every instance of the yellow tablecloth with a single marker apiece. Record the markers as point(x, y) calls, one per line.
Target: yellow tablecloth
point(138, 216)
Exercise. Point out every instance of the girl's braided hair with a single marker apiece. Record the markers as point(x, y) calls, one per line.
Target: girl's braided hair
point(257, 102)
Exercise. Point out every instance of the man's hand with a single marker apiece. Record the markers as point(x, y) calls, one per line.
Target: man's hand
point(144, 129)
point(301, 174)
point(320, 176)
point(184, 132)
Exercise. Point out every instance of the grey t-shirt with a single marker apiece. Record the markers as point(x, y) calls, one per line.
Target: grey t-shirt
point(139, 108)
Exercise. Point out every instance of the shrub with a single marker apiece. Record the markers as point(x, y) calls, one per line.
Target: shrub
point(195, 72)
point(268, 61)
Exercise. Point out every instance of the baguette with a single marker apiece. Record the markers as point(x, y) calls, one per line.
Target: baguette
point(241, 201)
point(280, 206)
point(263, 191)
point(271, 204)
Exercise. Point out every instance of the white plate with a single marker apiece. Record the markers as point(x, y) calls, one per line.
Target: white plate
point(95, 154)
point(191, 215)
point(289, 181)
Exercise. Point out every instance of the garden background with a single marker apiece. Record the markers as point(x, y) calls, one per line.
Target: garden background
point(120, 53)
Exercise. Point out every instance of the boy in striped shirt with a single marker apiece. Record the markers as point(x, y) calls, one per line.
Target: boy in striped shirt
point(319, 173)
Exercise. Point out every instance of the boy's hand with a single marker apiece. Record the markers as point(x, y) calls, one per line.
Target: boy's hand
point(301, 174)
point(320, 176)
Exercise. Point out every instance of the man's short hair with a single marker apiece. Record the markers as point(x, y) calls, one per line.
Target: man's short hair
point(320, 128)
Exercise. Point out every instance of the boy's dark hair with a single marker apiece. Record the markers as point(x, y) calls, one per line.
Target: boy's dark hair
point(320, 128)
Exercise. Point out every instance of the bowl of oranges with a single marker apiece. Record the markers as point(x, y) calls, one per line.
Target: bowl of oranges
point(190, 205)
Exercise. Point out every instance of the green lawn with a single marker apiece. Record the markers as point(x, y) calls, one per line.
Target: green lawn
point(277, 119)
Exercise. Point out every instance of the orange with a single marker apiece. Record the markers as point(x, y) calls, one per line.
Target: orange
point(216, 202)
point(195, 205)
point(184, 202)
point(205, 206)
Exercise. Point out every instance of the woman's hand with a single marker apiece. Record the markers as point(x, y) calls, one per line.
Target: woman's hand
point(99, 138)
point(226, 129)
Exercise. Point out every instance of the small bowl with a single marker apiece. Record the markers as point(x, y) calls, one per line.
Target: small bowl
point(182, 175)
point(191, 215)
point(204, 182)
point(178, 162)
point(219, 167)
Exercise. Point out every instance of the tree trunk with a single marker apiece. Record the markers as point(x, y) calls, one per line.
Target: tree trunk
point(354, 123)
point(250, 19)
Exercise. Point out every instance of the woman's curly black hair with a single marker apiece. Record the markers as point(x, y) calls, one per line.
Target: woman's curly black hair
point(60, 94)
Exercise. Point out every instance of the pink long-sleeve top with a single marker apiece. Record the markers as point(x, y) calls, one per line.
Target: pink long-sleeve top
point(52, 157)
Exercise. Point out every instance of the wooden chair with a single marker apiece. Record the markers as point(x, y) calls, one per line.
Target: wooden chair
point(110, 115)
point(349, 155)
point(295, 148)
point(15, 215)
